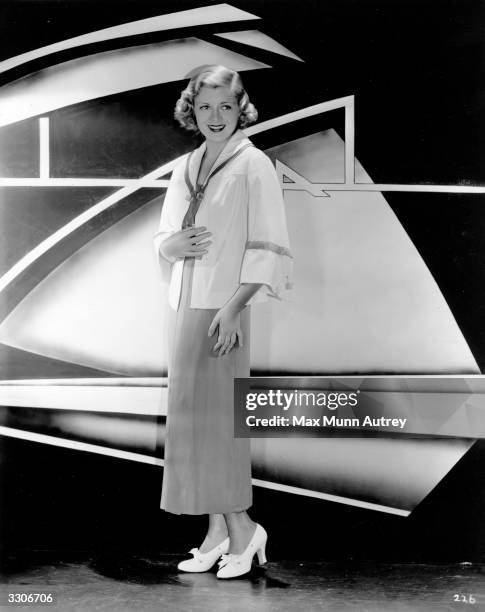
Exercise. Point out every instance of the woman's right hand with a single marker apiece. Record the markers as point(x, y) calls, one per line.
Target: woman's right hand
point(188, 242)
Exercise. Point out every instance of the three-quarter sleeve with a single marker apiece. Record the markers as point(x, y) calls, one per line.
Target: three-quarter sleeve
point(267, 257)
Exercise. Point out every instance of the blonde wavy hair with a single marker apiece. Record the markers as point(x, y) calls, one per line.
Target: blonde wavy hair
point(213, 76)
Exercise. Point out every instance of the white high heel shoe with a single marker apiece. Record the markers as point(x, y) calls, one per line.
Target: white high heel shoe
point(202, 562)
point(232, 565)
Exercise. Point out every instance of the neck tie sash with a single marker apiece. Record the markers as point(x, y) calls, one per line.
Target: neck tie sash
point(197, 192)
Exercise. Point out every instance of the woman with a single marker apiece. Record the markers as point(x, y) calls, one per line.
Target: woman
point(223, 237)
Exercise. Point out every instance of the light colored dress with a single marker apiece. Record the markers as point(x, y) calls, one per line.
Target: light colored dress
point(207, 470)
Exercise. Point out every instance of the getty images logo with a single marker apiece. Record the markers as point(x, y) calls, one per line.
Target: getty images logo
point(286, 399)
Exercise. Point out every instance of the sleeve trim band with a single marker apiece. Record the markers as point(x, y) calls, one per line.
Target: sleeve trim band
point(269, 246)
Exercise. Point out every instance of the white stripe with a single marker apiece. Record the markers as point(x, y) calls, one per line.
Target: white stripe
point(309, 111)
point(135, 400)
point(329, 497)
point(151, 381)
point(75, 445)
point(44, 170)
point(384, 187)
point(44, 181)
point(349, 142)
point(120, 454)
point(218, 13)
point(391, 187)
point(258, 39)
point(162, 381)
point(162, 183)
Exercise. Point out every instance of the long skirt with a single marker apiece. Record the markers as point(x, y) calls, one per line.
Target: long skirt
point(206, 469)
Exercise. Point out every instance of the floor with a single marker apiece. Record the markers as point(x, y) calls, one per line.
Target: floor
point(125, 582)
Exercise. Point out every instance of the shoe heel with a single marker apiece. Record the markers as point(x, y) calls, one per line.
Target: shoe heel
point(262, 554)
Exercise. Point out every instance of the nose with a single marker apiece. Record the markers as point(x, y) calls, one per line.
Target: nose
point(215, 115)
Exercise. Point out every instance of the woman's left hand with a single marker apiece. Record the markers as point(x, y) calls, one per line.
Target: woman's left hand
point(228, 321)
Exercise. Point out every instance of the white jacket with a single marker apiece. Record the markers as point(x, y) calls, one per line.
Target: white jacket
point(243, 208)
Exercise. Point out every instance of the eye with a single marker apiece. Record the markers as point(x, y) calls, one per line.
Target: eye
point(203, 106)
point(226, 107)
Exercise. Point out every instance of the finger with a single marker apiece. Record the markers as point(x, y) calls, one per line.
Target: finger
point(202, 244)
point(192, 243)
point(194, 230)
point(227, 340)
point(232, 342)
point(191, 253)
point(200, 232)
point(199, 237)
point(199, 247)
point(196, 248)
point(190, 239)
point(219, 343)
point(212, 326)
point(239, 336)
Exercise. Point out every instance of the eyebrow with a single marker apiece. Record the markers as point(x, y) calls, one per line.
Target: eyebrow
point(222, 102)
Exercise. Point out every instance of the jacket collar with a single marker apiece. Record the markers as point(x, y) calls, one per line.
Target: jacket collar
point(235, 142)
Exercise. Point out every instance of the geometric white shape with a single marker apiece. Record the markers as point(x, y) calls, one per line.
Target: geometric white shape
point(287, 176)
point(108, 429)
point(218, 13)
point(148, 397)
point(102, 307)
point(255, 38)
point(111, 72)
point(389, 471)
point(44, 156)
point(363, 298)
point(321, 155)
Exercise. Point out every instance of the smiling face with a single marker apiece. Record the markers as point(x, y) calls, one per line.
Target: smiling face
point(216, 113)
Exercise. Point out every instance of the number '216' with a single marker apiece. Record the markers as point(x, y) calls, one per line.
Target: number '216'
point(464, 598)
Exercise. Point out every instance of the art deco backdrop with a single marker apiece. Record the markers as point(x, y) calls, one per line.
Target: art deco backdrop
point(379, 164)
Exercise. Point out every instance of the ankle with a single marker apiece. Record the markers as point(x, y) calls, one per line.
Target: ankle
point(216, 532)
point(240, 520)
point(244, 526)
